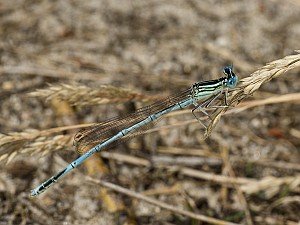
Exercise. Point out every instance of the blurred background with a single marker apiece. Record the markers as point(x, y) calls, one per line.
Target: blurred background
point(246, 172)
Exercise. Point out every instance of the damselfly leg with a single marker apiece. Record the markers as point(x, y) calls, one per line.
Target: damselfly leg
point(208, 104)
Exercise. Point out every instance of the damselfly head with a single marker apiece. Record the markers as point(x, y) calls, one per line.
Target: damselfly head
point(232, 79)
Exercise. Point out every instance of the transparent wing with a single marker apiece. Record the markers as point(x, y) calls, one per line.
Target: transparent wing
point(89, 137)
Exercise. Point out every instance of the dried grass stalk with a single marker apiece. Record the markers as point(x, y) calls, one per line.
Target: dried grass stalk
point(271, 186)
point(81, 95)
point(31, 142)
point(250, 84)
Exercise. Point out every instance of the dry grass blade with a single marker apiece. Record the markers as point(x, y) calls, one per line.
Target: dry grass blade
point(254, 81)
point(33, 142)
point(272, 100)
point(271, 185)
point(81, 95)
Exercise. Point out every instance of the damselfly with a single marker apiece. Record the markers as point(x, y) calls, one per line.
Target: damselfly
point(105, 134)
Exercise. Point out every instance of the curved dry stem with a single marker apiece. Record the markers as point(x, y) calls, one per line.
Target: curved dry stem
point(250, 84)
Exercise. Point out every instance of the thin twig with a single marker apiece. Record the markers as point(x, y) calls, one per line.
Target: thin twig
point(159, 203)
point(240, 194)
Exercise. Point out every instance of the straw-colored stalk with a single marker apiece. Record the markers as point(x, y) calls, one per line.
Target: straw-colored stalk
point(81, 95)
point(34, 141)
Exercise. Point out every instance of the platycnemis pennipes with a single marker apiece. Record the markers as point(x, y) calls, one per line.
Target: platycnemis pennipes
point(96, 137)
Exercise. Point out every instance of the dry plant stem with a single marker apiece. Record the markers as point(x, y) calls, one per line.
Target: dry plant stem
point(253, 82)
point(284, 201)
point(271, 185)
point(272, 100)
point(240, 194)
point(159, 203)
point(216, 178)
point(34, 141)
point(81, 95)
point(268, 163)
point(17, 143)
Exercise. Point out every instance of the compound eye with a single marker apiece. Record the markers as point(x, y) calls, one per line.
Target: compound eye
point(229, 83)
point(227, 70)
